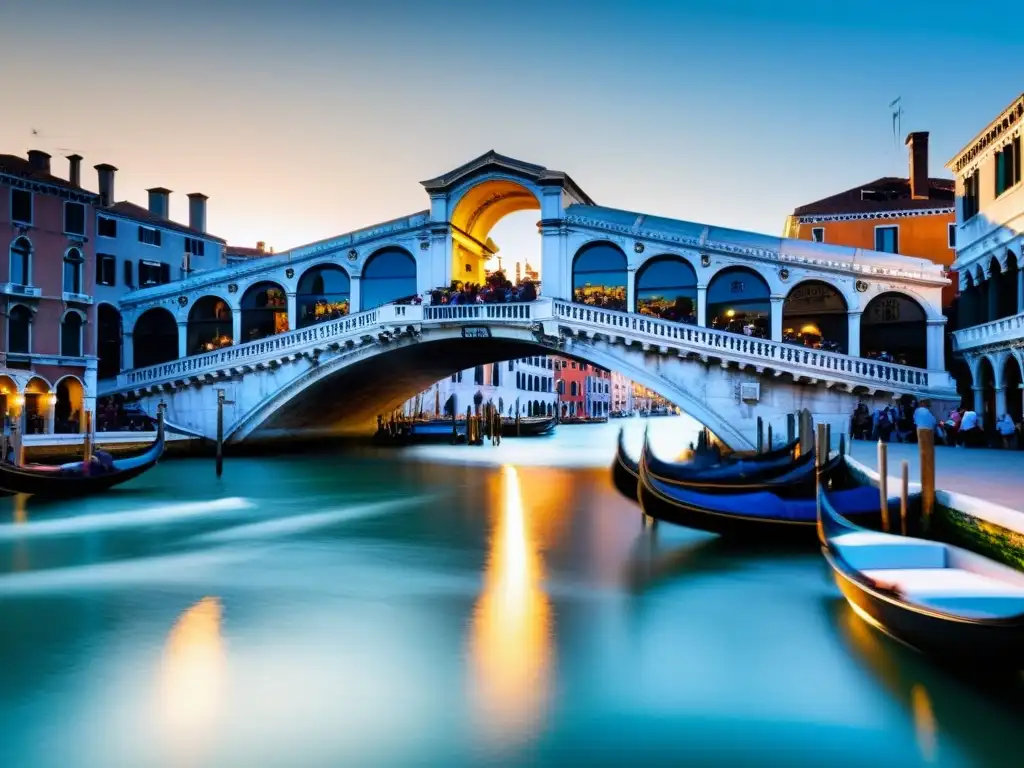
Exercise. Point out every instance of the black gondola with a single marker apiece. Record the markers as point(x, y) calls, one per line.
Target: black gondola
point(940, 599)
point(625, 470)
point(759, 516)
point(528, 427)
point(79, 478)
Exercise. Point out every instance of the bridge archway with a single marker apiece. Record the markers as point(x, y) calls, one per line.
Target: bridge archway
point(739, 301)
point(210, 325)
point(815, 314)
point(324, 293)
point(264, 311)
point(389, 275)
point(986, 408)
point(599, 275)
point(154, 338)
point(666, 287)
point(894, 325)
point(108, 341)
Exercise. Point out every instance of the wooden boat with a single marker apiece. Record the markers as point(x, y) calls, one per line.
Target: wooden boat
point(531, 426)
point(937, 598)
point(79, 478)
point(625, 470)
point(758, 516)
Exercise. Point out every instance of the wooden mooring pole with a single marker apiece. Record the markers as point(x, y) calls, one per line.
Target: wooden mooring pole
point(221, 402)
point(790, 428)
point(926, 449)
point(760, 435)
point(904, 494)
point(883, 483)
point(771, 443)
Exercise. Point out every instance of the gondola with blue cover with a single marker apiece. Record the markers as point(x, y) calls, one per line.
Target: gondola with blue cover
point(80, 478)
point(756, 516)
point(940, 599)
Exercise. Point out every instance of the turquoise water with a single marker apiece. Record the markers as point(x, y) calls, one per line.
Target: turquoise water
point(462, 606)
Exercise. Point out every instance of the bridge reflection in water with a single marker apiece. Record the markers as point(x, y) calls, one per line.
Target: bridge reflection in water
point(192, 681)
point(511, 647)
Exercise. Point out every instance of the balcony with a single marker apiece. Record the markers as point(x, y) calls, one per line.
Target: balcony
point(16, 289)
point(995, 332)
point(76, 298)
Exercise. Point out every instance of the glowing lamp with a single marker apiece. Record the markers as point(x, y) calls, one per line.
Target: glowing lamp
point(730, 313)
point(18, 400)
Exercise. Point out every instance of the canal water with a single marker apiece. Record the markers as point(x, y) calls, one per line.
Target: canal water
point(445, 606)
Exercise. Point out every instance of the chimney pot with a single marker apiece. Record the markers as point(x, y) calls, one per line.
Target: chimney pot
point(197, 211)
point(106, 173)
point(75, 170)
point(261, 246)
point(159, 201)
point(919, 185)
point(39, 160)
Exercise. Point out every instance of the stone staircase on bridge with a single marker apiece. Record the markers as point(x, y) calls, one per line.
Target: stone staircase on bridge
point(553, 321)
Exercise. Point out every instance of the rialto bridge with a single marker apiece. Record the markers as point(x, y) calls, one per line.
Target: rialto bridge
point(730, 325)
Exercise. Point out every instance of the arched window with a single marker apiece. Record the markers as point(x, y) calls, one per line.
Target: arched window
point(73, 262)
point(561, 386)
point(573, 389)
point(894, 328)
point(666, 287)
point(814, 315)
point(495, 375)
point(209, 325)
point(324, 293)
point(71, 335)
point(21, 262)
point(478, 375)
point(599, 276)
point(264, 311)
point(739, 302)
point(154, 338)
point(389, 275)
point(19, 333)
point(108, 341)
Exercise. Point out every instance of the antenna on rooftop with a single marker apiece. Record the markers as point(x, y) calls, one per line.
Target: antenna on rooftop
point(896, 106)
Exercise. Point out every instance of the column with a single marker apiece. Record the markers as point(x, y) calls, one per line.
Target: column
point(293, 314)
point(89, 390)
point(236, 325)
point(936, 359)
point(1000, 403)
point(992, 298)
point(182, 339)
point(978, 406)
point(702, 306)
point(127, 351)
point(776, 318)
point(853, 333)
point(354, 304)
point(51, 408)
point(631, 289)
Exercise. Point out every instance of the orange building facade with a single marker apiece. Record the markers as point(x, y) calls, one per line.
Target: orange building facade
point(913, 216)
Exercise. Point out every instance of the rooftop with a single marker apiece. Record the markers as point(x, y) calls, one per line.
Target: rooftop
point(1007, 118)
point(889, 193)
point(22, 168)
point(138, 213)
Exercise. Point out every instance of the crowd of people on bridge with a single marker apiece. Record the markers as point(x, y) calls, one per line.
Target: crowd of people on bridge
point(496, 290)
point(961, 427)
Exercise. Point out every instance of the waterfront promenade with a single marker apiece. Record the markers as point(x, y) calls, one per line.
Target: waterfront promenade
point(989, 474)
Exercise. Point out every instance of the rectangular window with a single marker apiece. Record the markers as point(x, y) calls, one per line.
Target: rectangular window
point(818, 234)
point(153, 273)
point(195, 246)
point(149, 236)
point(972, 200)
point(21, 206)
point(951, 235)
point(887, 239)
point(74, 219)
point(1007, 166)
point(106, 227)
point(106, 269)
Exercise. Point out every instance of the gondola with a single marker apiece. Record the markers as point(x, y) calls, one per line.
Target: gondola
point(937, 598)
point(759, 516)
point(625, 470)
point(79, 478)
point(528, 427)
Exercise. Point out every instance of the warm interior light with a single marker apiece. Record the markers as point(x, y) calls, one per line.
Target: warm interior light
point(730, 313)
point(18, 400)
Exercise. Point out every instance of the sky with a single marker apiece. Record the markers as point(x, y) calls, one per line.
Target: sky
point(303, 120)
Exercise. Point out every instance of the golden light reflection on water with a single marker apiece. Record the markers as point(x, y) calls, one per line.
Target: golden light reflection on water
point(924, 721)
point(510, 644)
point(192, 678)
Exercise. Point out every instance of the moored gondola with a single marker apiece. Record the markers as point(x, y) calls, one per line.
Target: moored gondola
point(530, 426)
point(759, 516)
point(80, 478)
point(940, 599)
point(625, 470)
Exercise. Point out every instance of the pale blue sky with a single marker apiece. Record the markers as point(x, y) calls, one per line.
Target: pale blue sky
point(302, 120)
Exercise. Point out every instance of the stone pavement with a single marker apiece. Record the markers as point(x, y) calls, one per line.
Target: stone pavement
point(992, 475)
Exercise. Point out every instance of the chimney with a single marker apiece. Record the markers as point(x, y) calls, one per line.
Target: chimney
point(159, 201)
point(75, 170)
point(39, 160)
point(918, 143)
point(261, 246)
point(106, 177)
point(197, 211)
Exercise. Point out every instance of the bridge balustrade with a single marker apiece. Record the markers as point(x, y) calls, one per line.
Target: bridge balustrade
point(759, 351)
point(519, 311)
point(1002, 330)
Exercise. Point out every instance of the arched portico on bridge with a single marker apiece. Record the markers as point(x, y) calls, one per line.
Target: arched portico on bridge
point(264, 311)
point(210, 325)
point(324, 292)
point(154, 338)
